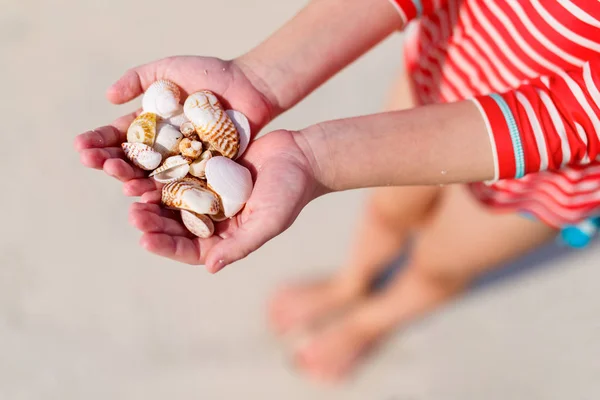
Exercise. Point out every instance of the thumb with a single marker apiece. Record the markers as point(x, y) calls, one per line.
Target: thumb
point(133, 83)
point(246, 239)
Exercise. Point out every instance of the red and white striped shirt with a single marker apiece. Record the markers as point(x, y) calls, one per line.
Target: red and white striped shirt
point(533, 69)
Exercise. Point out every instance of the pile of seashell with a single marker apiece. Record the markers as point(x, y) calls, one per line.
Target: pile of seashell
point(191, 149)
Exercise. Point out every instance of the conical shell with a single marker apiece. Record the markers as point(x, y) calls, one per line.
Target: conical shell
point(162, 98)
point(200, 225)
point(190, 196)
point(190, 148)
point(212, 123)
point(188, 129)
point(198, 167)
point(242, 126)
point(174, 168)
point(178, 119)
point(231, 181)
point(144, 157)
point(143, 129)
point(167, 140)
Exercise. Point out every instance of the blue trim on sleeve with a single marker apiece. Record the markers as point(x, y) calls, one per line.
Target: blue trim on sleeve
point(514, 134)
point(419, 6)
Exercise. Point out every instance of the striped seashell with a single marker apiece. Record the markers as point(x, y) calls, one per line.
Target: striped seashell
point(142, 156)
point(143, 129)
point(167, 140)
point(200, 225)
point(188, 195)
point(242, 125)
point(190, 148)
point(212, 123)
point(174, 168)
point(162, 98)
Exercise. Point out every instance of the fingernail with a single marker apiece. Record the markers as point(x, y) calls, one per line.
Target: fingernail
point(219, 265)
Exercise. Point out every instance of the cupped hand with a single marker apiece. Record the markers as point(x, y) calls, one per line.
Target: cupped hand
point(101, 148)
point(284, 183)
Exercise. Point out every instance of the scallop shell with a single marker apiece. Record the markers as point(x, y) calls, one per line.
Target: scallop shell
point(242, 125)
point(178, 119)
point(143, 129)
point(200, 225)
point(191, 196)
point(162, 98)
point(141, 155)
point(167, 140)
point(187, 128)
point(190, 148)
point(174, 168)
point(231, 181)
point(198, 167)
point(212, 123)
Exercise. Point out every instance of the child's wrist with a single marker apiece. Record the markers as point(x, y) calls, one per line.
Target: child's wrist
point(312, 142)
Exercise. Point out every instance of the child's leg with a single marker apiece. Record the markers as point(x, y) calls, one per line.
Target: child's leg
point(388, 216)
point(461, 240)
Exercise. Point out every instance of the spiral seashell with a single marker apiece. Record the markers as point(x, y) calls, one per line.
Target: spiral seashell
point(188, 195)
point(212, 123)
point(162, 98)
point(178, 119)
point(200, 225)
point(142, 156)
point(190, 148)
point(198, 167)
point(231, 181)
point(143, 129)
point(174, 168)
point(188, 129)
point(167, 140)
point(242, 125)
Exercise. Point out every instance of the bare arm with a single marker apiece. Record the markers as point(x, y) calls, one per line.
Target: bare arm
point(321, 40)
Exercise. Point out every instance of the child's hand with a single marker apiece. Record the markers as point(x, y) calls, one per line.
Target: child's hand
point(101, 147)
point(284, 184)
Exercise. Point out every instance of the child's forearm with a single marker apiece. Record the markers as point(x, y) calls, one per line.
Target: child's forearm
point(321, 40)
point(435, 144)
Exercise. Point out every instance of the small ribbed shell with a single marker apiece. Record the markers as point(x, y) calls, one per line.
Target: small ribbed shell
point(167, 140)
point(200, 225)
point(188, 195)
point(242, 125)
point(162, 98)
point(174, 168)
point(188, 129)
point(190, 148)
point(142, 156)
point(143, 129)
point(212, 123)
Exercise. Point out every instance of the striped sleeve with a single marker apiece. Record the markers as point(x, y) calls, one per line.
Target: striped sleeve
point(550, 122)
point(412, 9)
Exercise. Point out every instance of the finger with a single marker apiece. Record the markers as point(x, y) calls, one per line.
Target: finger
point(156, 209)
point(122, 170)
point(138, 187)
point(95, 158)
point(153, 197)
point(177, 248)
point(247, 238)
point(154, 222)
point(105, 136)
point(133, 83)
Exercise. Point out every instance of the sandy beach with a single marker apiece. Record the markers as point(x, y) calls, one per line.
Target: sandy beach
point(86, 313)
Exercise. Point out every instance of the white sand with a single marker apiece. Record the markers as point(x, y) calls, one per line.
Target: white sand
point(85, 313)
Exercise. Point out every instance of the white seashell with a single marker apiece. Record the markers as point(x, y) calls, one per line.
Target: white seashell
point(198, 167)
point(167, 140)
point(231, 181)
point(178, 119)
point(162, 98)
point(212, 123)
point(143, 129)
point(191, 196)
point(187, 128)
point(141, 155)
point(174, 168)
point(243, 128)
point(190, 148)
point(200, 225)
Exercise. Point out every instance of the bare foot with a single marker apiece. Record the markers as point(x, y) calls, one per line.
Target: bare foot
point(297, 307)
